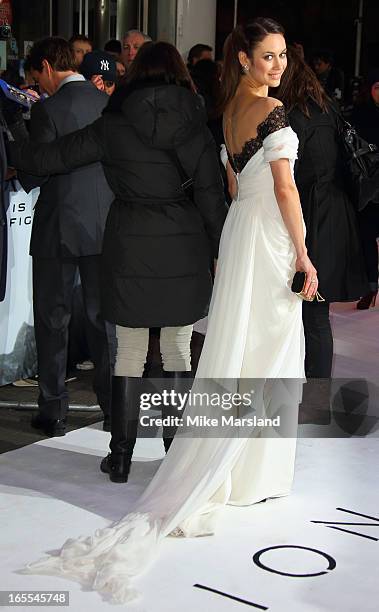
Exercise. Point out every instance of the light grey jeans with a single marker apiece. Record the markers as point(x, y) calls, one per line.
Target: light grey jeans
point(133, 344)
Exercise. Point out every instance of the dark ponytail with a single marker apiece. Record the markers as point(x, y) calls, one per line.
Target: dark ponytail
point(242, 38)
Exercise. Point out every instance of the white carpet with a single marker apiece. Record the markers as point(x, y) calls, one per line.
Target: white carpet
point(53, 490)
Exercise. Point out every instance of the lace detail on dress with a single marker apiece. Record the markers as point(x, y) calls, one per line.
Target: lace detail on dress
point(275, 120)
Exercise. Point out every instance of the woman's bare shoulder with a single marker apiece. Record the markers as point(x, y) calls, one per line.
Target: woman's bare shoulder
point(264, 106)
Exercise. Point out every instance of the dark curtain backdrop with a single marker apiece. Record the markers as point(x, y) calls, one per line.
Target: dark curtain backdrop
point(314, 23)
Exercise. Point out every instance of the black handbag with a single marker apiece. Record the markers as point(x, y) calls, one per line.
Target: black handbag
point(297, 287)
point(362, 164)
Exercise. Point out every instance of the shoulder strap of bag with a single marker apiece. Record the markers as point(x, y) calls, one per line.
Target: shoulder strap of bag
point(341, 122)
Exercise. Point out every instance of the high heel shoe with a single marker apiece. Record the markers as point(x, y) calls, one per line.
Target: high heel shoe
point(367, 300)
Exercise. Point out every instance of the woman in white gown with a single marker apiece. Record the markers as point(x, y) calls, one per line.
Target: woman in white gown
point(254, 332)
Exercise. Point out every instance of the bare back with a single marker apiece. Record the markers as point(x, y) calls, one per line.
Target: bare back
point(242, 119)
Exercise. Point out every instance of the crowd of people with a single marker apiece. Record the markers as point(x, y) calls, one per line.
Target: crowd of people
point(113, 144)
point(73, 209)
point(73, 225)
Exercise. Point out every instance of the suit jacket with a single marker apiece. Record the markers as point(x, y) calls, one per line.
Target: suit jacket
point(71, 210)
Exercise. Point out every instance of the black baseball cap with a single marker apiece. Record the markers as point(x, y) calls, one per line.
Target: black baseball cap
point(99, 62)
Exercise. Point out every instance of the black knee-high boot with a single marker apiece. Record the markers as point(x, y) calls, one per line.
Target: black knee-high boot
point(181, 382)
point(125, 411)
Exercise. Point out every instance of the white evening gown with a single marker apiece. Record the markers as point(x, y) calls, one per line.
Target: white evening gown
point(254, 331)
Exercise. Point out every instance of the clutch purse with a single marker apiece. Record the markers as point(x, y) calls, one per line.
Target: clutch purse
point(298, 285)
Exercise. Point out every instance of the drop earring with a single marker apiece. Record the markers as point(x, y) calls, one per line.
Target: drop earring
point(245, 68)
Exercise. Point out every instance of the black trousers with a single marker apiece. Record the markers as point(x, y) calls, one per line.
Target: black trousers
point(369, 227)
point(318, 340)
point(53, 285)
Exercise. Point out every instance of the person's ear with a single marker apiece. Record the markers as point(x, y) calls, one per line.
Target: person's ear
point(46, 67)
point(244, 61)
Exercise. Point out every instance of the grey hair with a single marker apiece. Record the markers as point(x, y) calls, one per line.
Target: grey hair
point(130, 32)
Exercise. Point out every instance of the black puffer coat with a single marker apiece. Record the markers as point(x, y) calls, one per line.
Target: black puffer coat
point(158, 245)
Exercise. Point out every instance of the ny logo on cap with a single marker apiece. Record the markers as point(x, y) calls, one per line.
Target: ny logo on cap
point(104, 65)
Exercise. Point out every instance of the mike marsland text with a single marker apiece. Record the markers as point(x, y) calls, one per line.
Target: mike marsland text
point(204, 421)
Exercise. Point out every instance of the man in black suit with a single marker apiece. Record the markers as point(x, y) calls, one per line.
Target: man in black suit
point(67, 234)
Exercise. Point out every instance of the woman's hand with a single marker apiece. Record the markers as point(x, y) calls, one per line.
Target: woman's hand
point(304, 264)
